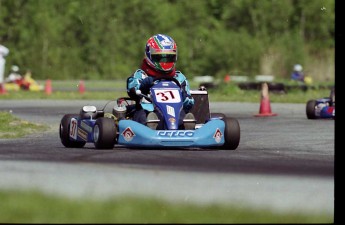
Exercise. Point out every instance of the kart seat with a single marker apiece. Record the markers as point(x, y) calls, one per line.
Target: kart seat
point(201, 108)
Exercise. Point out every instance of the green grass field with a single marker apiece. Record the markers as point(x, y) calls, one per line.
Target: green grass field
point(13, 127)
point(35, 207)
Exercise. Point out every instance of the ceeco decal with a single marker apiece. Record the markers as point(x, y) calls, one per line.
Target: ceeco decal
point(177, 133)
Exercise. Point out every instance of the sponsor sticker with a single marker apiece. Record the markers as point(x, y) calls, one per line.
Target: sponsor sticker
point(218, 135)
point(85, 126)
point(82, 134)
point(128, 134)
point(170, 111)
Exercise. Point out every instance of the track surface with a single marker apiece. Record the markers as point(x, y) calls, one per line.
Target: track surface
point(283, 162)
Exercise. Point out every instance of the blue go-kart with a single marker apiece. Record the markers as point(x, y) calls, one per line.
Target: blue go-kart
point(117, 128)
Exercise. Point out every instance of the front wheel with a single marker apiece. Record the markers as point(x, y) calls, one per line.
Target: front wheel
point(104, 133)
point(64, 132)
point(232, 133)
point(310, 109)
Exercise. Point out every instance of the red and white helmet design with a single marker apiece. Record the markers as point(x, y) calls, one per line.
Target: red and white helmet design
point(161, 52)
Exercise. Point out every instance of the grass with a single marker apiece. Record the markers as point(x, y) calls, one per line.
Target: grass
point(31, 207)
point(13, 127)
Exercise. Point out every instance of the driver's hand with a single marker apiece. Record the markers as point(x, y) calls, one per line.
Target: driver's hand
point(188, 103)
point(138, 92)
point(146, 84)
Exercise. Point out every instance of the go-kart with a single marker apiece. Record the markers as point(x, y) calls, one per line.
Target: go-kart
point(322, 108)
point(25, 83)
point(105, 129)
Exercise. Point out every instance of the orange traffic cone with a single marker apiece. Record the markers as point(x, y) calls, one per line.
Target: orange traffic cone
point(2, 89)
point(81, 87)
point(265, 105)
point(48, 87)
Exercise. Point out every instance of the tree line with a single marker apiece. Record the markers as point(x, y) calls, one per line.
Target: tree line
point(105, 39)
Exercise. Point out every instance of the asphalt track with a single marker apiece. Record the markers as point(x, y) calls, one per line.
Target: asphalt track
point(283, 162)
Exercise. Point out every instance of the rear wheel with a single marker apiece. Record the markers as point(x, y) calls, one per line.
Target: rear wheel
point(104, 133)
point(232, 133)
point(310, 109)
point(64, 132)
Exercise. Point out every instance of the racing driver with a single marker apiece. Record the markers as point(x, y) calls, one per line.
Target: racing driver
point(159, 61)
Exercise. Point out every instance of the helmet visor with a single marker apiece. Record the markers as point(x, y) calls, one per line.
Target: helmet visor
point(163, 58)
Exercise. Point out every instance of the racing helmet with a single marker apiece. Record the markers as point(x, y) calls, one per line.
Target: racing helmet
point(298, 68)
point(161, 53)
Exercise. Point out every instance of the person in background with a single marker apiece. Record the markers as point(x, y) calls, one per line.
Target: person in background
point(17, 78)
point(14, 75)
point(297, 73)
point(159, 61)
point(301, 78)
point(3, 53)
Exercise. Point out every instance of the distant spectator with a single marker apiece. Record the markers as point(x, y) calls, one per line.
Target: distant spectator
point(3, 53)
point(297, 73)
point(14, 75)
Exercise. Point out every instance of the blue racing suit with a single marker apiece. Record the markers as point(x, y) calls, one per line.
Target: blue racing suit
point(299, 76)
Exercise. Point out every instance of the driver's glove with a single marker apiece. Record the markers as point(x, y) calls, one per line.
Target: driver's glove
point(188, 103)
point(146, 84)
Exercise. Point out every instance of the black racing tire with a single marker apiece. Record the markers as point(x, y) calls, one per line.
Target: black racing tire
point(232, 134)
point(64, 132)
point(310, 109)
point(104, 133)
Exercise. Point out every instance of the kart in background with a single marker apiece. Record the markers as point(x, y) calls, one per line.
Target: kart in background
point(322, 108)
point(107, 129)
point(25, 83)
